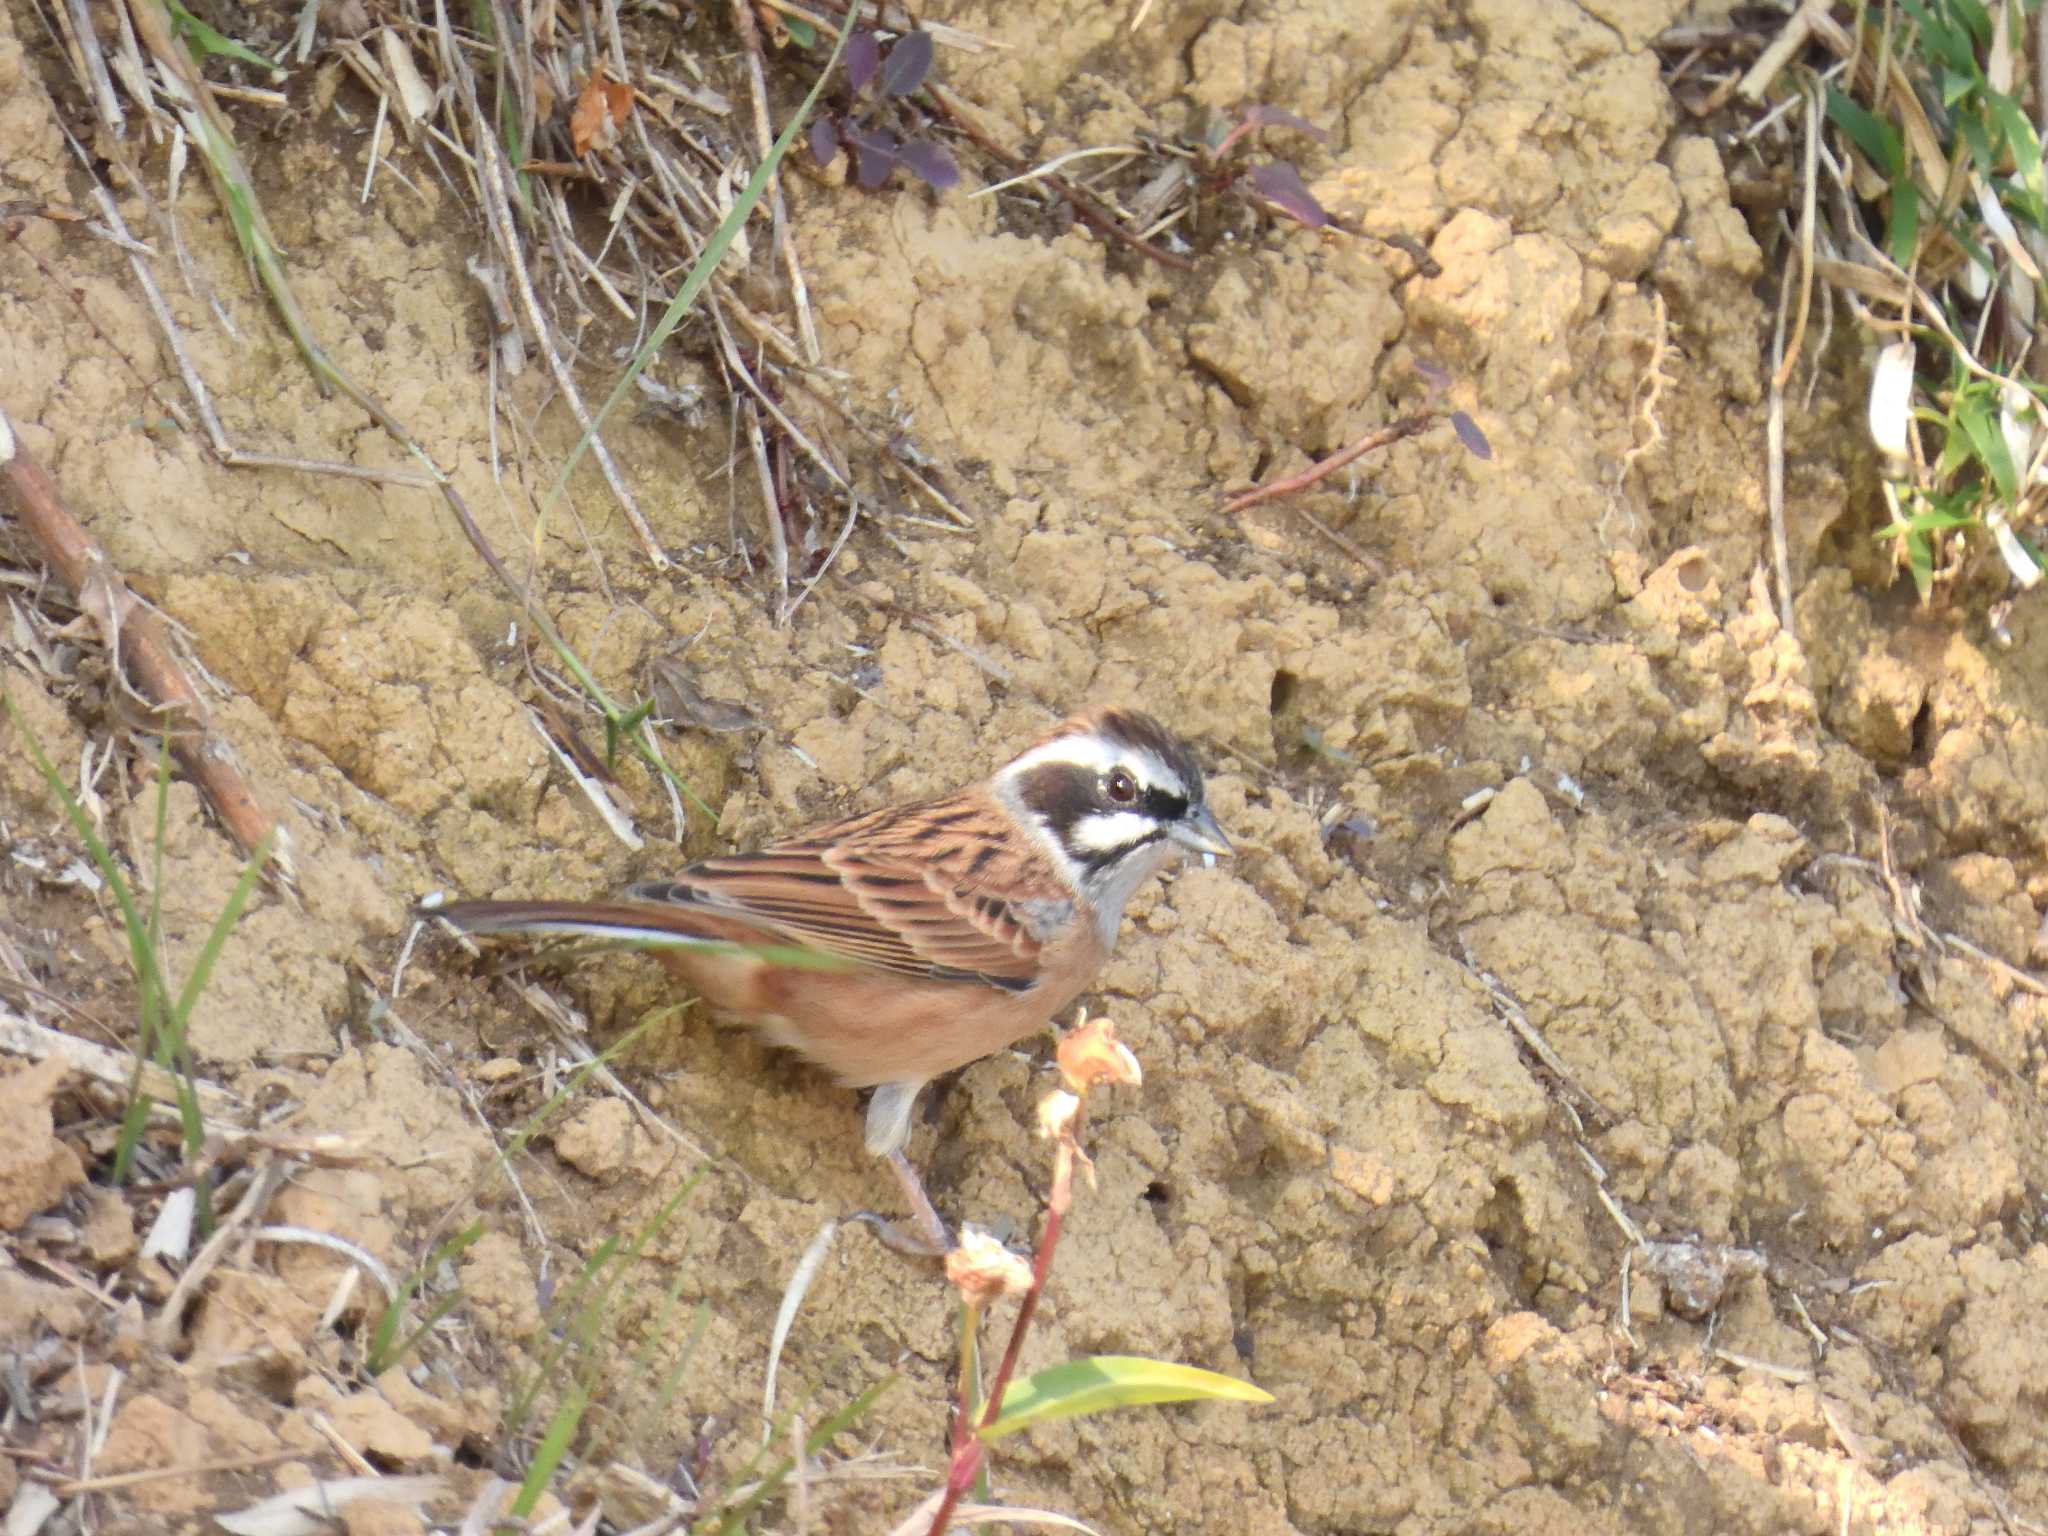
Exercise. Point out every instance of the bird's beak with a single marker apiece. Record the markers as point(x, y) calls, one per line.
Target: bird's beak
point(1198, 832)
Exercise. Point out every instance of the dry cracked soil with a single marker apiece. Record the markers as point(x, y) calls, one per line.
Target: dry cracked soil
point(1578, 898)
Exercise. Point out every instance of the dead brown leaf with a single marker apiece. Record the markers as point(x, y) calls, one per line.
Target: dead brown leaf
point(601, 106)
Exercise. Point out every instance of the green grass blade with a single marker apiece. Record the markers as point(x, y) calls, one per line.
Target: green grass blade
point(144, 959)
point(536, 1122)
point(652, 1406)
point(983, 1490)
point(589, 1326)
point(209, 952)
point(190, 1117)
point(1111, 1381)
point(554, 1445)
point(1978, 137)
point(435, 1313)
point(732, 1518)
point(383, 1353)
point(103, 860)
point(204, 40)
point(134, 1121)
point(163, 810)
point(1951, 45)
point(1878, 139)
point(1933, 520)
point(565, 1319)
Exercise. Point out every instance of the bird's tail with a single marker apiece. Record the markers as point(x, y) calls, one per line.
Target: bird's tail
point(656, 925)
point(626, 921)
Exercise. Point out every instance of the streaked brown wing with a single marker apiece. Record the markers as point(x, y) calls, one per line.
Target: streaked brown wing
point(871, 889)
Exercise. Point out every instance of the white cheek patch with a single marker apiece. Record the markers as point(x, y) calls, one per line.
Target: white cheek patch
point(1109, 832)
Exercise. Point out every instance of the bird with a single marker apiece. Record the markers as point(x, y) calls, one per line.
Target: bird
point(891, 947)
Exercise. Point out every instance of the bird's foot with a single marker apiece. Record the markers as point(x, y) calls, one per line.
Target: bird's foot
point(927, 1236)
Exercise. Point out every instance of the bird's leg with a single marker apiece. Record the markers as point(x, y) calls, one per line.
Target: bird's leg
point(930, 1239)
point(888, 1132)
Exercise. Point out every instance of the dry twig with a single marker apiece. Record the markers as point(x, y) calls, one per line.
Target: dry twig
point(141, 643)
point(1379, 437)
point(1087, 208)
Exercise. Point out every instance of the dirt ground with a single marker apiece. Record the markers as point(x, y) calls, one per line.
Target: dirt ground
point(1772, 902)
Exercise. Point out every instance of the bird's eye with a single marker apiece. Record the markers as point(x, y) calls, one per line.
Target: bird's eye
point(1123, 789)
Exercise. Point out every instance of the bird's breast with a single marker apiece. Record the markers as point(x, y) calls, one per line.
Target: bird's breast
point(1043, 919)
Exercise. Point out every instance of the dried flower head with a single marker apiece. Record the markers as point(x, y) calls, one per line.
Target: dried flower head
point(984, 1270)
point(1058, 1112)
point(1090, 1053)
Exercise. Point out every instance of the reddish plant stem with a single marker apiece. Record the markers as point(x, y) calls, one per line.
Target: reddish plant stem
point(1026, 1311)
point(959, 1478)
point(1380, 437)
point(141, 644)
point(967, 1447)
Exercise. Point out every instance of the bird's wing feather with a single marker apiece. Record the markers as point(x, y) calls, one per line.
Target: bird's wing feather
point(871, 890)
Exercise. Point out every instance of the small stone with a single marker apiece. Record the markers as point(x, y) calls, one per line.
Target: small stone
point(380, 1517)
point(370, 1424)
point(36, 1168)
point(598, 1139)
point(108, 1236)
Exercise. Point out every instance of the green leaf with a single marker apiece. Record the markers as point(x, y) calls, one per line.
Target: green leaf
point(153, 990)
point(619, 727)
point(650, 1407)
point(801, 32)
point(1949, 44)
point(537, 1122)
point(1878, 139)
point(1977, 417)
point(1111, 1381)
point(1934, 520)
point(1974, 17)
point(1978, 137)
point(2020, 137)
point(205, 40)
point(209, 952)
point(1920, 555)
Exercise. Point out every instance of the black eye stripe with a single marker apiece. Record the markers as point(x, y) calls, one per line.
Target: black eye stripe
point(1095, 863)
point(1063, 795)
point(1163, 805)
point(1060, 794)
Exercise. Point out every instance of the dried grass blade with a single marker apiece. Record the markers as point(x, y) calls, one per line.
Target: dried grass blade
point(706, 263)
